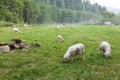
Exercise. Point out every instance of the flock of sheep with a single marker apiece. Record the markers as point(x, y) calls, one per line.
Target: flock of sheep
point(15, 29)
point(79, 48)
point(73, 50)
point(16, 44)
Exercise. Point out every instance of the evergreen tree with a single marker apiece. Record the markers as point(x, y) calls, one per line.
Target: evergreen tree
point(42, 11)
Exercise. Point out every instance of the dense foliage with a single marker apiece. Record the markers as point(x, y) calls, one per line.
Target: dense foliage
point(44, 11)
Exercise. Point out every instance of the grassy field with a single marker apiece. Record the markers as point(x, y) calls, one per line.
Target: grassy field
point(46, 62)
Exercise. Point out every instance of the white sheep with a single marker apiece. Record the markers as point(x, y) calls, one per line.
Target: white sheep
point(74, 50)
point(106, 48)
point(16, 29)
point(60, 38)
point(25, 25)
point(60, 25)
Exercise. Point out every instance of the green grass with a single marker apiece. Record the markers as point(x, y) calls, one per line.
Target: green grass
point(46, 62)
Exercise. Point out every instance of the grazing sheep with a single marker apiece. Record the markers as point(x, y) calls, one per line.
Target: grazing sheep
point(35, 44)
point(60, 38)
point(25, 25)
point(16, 29)
point(74, 50)
point(60, 25)
point(106, 48)
point(5, 47)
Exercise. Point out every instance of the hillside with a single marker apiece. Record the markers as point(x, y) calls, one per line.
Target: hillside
point(49, 11)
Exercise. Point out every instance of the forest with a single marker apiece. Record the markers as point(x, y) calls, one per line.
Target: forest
point(52, 11)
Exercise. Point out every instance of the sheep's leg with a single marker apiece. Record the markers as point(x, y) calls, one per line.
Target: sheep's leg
point(106, 56)
point(110, 55)
point(83, 52)
point(83, 56)
point(72, 58)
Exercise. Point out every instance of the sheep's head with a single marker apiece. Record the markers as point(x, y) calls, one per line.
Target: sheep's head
point(15, 41)
point(66, 58)
point(107, 54)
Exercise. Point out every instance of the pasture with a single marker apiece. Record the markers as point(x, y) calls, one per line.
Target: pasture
point(46, 62)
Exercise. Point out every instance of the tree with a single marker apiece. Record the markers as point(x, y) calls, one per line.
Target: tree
point(108, 16)
point(53, 2)
point(31, 11)
point(41, 11)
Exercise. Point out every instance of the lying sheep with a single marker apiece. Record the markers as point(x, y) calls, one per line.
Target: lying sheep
point(73, 50)
point(5, 47)
point(20, 44)
point(16, 41)
point(106, 48)
point(24, 45)
point(35, 44)
point(60, 38)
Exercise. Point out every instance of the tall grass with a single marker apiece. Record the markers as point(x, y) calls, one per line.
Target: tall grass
point(46, 62)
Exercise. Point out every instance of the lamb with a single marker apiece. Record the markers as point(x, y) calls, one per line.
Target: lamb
point(73, 50)
point(5, 47)
point(106, 48)
point(60, 38)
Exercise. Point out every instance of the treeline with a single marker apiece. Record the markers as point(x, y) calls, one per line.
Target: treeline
point(47, 11)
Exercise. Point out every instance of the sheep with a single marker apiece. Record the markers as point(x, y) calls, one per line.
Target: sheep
point(106, 48)
point(60, 26)
point(5, 47)
point(60, 38)
point(35, 44)
point(15, 41)
point(25, 25)
point(16, 29)
point(20, 44)
point(73, 50)
point(24, 45)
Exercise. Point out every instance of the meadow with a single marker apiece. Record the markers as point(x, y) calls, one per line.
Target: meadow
point(46, 62)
